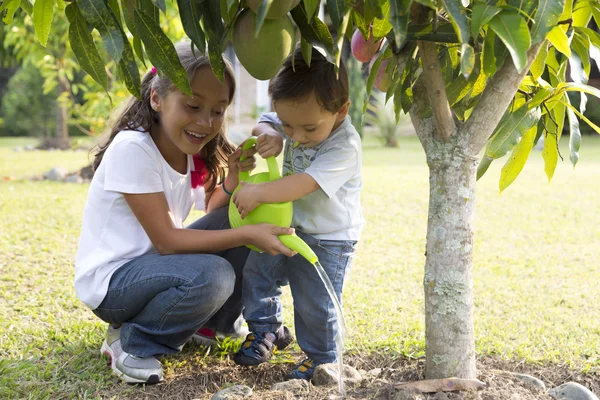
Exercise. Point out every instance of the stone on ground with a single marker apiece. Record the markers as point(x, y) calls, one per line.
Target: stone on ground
point(327, 374)
point(572, 391)
point(233, 393)
point(295, 386)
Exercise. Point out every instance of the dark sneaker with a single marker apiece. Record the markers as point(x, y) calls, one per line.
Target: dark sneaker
point(130, 368)
point(304, 370)
point(258, 348)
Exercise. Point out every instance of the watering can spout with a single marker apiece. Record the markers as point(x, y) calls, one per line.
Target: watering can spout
point(298, 245)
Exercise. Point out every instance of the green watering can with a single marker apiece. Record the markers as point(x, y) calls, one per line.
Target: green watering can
point(279, 214)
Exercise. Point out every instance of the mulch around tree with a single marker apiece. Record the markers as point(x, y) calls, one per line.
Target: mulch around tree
point(201, 377)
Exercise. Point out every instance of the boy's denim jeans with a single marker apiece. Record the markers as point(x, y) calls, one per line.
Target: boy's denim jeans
point(315, 319)
point(161, 300)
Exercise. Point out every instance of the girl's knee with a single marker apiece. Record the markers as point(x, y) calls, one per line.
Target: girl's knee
point(217, 281)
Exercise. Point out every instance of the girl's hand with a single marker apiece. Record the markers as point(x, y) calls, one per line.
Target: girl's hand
point(248, 164)
point(247, 198)
point(264, 236)
point(269, 144)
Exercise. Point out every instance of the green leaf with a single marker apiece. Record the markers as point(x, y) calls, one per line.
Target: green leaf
point(399, 17)
point(467, 60)
point(444, 33)
point(97, 14)
point(541, 96)
point(580, 115)
point(129, 73)
point(558, 112)
point(42, 19)
point(315, 32)
point(582, 14)
point(83, 46)
point(514, 33)
point(25, 6)
point(376, 8)
point(361, 24)
point(483, 166)
point(129, 13)
point(581, 44)
point(11, 7)
point(212, 22)
point(428, 3)
point(337, 11)
point(340, 40)
point(139, 50)
point(148, 7)
point(509, 131)
point(161, 52)
point(546, 17)
point(382, 27)
point(306, 49)
point(231, 3)
point(539, 64)
point(213, 27)
point(481, 15)
point(216, 59)
point(190, 19)
point(311, 7)
point(575, 136)
point(458, 18)
point(384, 53)
point(489, 58)
point(550, 155)
point(577, 87)
point(160, 4)
point(514, 165)
point(560, 41)
point(261, 14)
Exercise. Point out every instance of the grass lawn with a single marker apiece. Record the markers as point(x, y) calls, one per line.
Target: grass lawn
point(537, 263)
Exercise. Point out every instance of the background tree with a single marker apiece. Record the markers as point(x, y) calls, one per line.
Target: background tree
point(474, 75)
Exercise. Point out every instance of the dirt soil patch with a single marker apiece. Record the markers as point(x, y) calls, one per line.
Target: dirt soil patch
point(199, 378)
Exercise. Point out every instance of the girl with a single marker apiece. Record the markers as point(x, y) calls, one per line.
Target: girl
point(154, 281)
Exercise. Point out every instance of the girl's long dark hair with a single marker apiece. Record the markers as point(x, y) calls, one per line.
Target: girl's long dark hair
point(138, 114)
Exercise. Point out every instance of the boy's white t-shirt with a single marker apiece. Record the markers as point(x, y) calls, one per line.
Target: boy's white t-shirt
point(111, 235)
point(334, 212)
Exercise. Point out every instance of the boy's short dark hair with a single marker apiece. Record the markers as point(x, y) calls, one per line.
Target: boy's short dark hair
point(299, 81)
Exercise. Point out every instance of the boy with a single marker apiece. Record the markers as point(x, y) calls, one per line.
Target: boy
point(322, 176)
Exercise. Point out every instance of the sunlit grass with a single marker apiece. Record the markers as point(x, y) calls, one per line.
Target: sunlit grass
point(536, 267)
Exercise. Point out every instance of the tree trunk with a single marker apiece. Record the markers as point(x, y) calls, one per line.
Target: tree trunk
point(62, 127)
point(448, 278)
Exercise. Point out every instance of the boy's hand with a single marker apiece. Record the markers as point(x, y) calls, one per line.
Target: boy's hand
point(269, 144)
point(247, 198)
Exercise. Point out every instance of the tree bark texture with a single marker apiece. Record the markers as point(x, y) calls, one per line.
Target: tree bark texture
point(62, 127)
point(448, 280)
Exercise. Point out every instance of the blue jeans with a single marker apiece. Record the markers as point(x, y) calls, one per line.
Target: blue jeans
point(314, 315)
point(161, 300)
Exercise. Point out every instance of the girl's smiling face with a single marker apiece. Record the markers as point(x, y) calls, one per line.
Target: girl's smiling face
point(188, 123)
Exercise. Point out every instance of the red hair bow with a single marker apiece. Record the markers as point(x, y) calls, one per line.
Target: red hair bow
point(199, 173)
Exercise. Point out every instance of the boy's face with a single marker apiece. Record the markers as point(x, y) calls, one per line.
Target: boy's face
point(306, 122)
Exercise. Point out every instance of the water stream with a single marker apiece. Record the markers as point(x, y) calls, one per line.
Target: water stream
point(341, 336)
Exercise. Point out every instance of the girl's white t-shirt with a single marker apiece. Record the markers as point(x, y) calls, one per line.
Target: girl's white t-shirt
point(111, 235)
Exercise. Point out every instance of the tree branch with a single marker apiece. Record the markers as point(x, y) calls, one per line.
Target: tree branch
point(424, 126)
point(436, 91)
point(495, 100)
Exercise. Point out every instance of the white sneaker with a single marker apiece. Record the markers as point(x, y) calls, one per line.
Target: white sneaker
point(130, 368)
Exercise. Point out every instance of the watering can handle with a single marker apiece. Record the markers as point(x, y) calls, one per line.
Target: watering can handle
point(271, 162)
